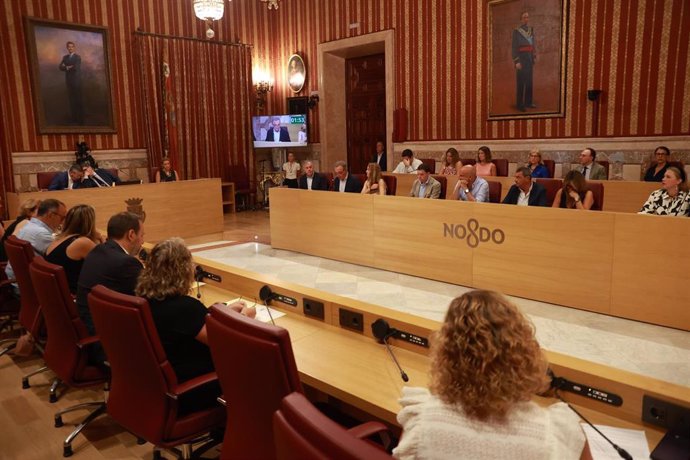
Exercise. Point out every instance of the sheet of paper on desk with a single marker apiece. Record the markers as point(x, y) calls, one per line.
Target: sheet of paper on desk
point(261, 310)
point(633, 441)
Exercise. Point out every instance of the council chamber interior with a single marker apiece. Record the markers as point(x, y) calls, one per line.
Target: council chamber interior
point(230, 94)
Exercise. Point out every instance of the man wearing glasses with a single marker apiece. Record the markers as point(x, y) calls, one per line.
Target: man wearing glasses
point(39, 231)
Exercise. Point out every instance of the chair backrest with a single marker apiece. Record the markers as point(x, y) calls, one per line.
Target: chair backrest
point(605, 164)
point(140, 372)
point(391, 184)
point(20, 254)
point(65, 329)
point(431, 163)
point(444, 185)
point(301, 432)
point(256, 370)
point(597, 189)
point(152, 175)
point(44, 178)
point(494, 191)
point(501, 166)
point(550, 167)
point(329, 178)
point(552, 186)
point(468, 161)
point(362, 177)
point(238, 175)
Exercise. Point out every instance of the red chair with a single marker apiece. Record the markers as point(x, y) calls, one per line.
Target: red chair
point(244, 187)
point(597, 189)
point(431, 163)
point(468, 161)
point(444, 185)
point(550, 167)
point(20, 254)
point(391, 184)
point(329, 178)
point(362, 178)
point(605, 164)
point(501, 167)
point(144, 389)
point(66, 349)
point(552, 186)
point(494, 191)
point(44, 178)
point(152, 174)
point(301, 432)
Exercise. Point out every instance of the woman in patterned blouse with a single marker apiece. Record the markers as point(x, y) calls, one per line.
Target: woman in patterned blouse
point(451, 163)
point(672, 199)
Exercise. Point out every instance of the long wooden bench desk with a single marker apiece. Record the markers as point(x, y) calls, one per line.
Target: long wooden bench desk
point(352, 367)
point(183, 208)
point(619, 195)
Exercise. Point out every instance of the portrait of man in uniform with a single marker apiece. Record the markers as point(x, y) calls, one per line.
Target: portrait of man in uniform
point(527, 58)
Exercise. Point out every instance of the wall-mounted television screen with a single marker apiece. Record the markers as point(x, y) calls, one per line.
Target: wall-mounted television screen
point(271, 131)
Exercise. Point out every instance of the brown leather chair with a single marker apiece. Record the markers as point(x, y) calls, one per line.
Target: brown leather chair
point(597, 189)
point(468, 161)
point(329, 177)
point(494, 191)
point(444, 185)
point(66, 349)
point(20, 254)
point(431, 163)
point(501, 166)
point(152, 176)
point(550, 167)
point(552, 186)
point(391, 184)
point(301, 432)
point(605, 164)
point(362, 178)
point(144, 388)
point(44, 178)
point(244, 187)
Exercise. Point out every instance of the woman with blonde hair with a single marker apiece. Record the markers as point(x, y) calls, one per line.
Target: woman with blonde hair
point(672, 199)
point(451, 163)
point(165, 282)
point(536, 165)
point(486, 367)
point(77, 238)
point(166, 173)
point(374, 185)
point(26, 211)
point(574, 194)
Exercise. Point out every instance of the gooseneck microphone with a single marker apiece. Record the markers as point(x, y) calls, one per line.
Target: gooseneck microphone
point(266, 295)
point(558, 383)
point(198, 276)
point(382, 331)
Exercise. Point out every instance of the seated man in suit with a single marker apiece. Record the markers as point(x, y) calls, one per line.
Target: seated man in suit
point(470, 187)
point(425, 186)
point(525, 192)
point(311, 180)
point(277, 133)
point(589, 168)
point(96, 177)
point(345, 182)
point(114, 264)
point(65, 180)
point(409, 163)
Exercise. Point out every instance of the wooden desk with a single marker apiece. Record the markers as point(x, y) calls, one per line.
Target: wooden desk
point(619, 195)
point(181, 208)
point(594, 261)
point(357, 370)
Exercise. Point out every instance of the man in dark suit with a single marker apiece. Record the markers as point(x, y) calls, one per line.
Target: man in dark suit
point(345, 182)
point(525, 192)
point(277, 133)
point(113, 264)
point(380, 156)
point(97, 177)
point(65, 180)
point(71, 65)
point(311, 180)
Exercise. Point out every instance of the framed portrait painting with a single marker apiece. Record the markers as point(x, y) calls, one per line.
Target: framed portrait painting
point(527, 58)
point(296, 73)
point(70, 75)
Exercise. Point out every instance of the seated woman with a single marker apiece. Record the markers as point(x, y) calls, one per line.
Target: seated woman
point(27, 210)
point(486, 367)
point(484, 165)
point(374, 185)
point(536, 165)
point(77, 238)
point(655, 173)
point(180, 319)
point(574, 194)
point(451, 163)
point(672, 199)
point(166, 173)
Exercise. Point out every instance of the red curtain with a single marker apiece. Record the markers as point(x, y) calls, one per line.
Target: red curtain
point(198, 110)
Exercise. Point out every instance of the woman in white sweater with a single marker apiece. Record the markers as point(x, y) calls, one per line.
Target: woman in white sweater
point(486, 366)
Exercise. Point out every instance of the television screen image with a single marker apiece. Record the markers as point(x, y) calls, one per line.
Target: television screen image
point(271, 131)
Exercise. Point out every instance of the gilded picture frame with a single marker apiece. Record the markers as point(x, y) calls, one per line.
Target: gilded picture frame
point(296, 73)
point(527, 58)
point(70, 76)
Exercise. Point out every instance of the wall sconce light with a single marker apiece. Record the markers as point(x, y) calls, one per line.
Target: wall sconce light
point(262, 88)
point(313, 100)
point(271, 4)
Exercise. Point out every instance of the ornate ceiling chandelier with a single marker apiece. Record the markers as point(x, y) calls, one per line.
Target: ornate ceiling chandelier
point(209, 10)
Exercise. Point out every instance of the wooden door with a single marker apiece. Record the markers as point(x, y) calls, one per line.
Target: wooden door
point(366, 108)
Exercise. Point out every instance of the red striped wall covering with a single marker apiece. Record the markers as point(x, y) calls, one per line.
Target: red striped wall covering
point(638, 52)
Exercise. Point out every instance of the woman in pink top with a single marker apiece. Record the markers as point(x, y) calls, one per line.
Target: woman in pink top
point(484, 165)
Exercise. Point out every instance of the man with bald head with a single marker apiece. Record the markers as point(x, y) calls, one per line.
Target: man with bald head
point(311, 180)
point(470, 187)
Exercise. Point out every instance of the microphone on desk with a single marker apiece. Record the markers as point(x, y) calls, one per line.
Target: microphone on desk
point(558, 383)
point(198, 276)
point(266, 295)
point(382, 331)
point(95, 174)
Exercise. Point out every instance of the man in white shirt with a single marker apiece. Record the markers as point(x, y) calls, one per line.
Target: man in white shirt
point(311, 180)
point(409, 163)
point(525, 192)
point(470, 187)
point(589, 168)
point(277, 133)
